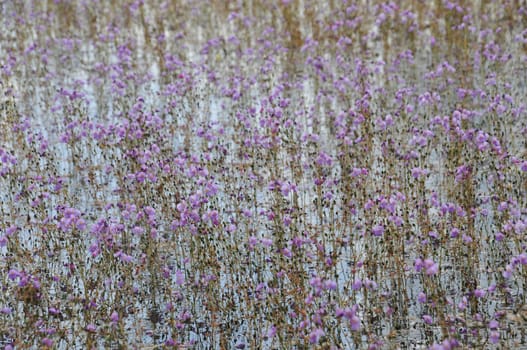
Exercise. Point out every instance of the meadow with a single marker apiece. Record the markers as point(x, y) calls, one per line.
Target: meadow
point(263, 174)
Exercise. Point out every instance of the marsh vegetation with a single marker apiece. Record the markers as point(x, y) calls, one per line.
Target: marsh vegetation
point(263, 174)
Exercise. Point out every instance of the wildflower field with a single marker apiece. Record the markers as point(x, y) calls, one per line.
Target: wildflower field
point(263, 174)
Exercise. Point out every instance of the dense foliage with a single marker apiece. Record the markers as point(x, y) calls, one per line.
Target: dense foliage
point(263, 174)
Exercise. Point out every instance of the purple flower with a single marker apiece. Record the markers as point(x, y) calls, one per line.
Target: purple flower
point(287, 253)
point(467, 239)
point(418, 264)
point(494, 337)
point(271, 332)
point(351, 315)
point(507, 273)
point(10, 230)
point(492, 288)
point(324, 159)
point(330, 285)
point(378, 230)
point(370, 284)
point(357, 284)
point(138, 230)
point(479, 293)
point(431, 267)
point(433, 234)
point(493, 324)
point(463, 172)
point(355, 323)
point(170, 342)
point(266, 242)
point(123, 257)
point(421, 298)
point(13, 274)
point(418, 172)
point(520, 227)
point(428, 319)
point(114, 317)
point(315, 335)
point(389, 310)
point(180, 277)
point(463, 303)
